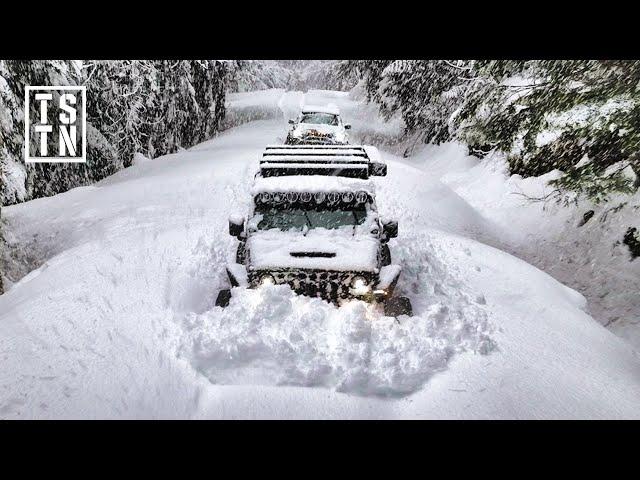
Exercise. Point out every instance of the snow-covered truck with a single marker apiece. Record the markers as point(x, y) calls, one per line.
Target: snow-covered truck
point(319, 125)
point(314, 225)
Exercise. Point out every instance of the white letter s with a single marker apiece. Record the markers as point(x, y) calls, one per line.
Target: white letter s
point(65, 100)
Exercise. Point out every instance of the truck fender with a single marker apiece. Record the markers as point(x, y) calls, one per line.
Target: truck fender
point(237, 275)
point(388, 277)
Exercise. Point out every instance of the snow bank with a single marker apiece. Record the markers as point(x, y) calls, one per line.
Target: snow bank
point(140, 159)
point(589, 257)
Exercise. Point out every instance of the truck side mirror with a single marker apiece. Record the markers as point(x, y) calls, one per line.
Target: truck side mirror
point(292, 121)
point(236, 226)
point(347, 126)
point(390, 229)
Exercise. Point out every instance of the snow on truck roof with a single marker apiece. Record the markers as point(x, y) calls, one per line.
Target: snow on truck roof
point(333, 109)
point(356, 161)
point(315, 169)
point(318, 149)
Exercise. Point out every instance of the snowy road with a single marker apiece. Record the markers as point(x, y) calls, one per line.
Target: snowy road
point(119, 322)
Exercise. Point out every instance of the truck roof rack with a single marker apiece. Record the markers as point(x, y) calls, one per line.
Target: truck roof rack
point(352, 161)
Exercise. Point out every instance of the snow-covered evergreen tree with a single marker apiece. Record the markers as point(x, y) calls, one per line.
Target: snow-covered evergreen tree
point(580, 117)
point(424, 92)
point(326, 75)
point(147, 106)
point(19, 182)
point(370, 74)
point(249, 75)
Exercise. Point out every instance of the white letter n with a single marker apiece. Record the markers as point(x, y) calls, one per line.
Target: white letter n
point(67, 140)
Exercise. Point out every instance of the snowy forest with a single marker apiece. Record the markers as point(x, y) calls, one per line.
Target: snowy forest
point(517, 188)
point(151, 107)
point(580, 117)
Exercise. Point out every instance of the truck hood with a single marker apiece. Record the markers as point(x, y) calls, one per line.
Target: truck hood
point(321, 249)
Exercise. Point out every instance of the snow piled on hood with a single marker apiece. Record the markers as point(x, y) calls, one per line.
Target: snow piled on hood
point(354, 249)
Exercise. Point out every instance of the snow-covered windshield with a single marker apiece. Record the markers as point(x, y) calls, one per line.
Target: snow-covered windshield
point(319, 217)
point(320, 118)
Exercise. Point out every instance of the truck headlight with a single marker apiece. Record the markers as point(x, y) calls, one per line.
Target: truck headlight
point(267, 279)
point(360, 286)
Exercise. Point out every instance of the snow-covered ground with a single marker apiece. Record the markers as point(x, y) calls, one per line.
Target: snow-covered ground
point(118, 319)
point(590, 257)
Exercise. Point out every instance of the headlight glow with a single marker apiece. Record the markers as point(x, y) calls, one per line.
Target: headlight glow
point(267, 279)
point(360, 286)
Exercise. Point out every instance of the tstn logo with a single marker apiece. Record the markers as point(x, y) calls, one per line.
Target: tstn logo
point(55, 127)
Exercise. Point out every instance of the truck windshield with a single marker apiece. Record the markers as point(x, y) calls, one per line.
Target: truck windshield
point(296, 218)
point(320, 118)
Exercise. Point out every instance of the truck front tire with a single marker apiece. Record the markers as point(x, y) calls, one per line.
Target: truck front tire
point(223, 298)
point(396, 306)
point(385, 255)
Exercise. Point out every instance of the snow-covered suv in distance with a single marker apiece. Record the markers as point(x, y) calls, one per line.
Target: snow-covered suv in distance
point(314, 225)
point(318, 125)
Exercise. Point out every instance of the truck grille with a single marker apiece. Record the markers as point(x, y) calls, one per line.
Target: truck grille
point(328, 285)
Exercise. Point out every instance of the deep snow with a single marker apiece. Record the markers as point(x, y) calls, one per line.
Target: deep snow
point(589, 257)
point(119, 322)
